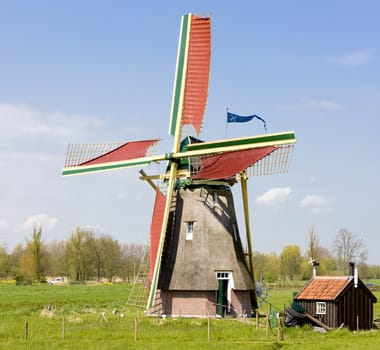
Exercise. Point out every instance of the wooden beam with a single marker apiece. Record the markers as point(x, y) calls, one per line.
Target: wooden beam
point(147, 179)
point(244, 190)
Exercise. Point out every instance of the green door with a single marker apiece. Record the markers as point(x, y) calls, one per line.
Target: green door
point(221, 297)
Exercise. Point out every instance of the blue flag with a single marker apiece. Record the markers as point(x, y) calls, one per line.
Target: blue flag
point(234, 118)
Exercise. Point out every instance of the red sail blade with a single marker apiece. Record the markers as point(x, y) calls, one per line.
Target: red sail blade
point(129, 150)
point(198, 71)
point(155, 228)
point(225, 165)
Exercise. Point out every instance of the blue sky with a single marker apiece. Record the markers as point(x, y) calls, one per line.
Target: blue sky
point(103, 71)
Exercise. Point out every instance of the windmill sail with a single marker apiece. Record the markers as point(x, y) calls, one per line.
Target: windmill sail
point(192, 74)
point(155, 228)
point(225, 165)
point(188, 105)
point(85, 158)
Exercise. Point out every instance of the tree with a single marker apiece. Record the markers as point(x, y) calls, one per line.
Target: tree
point(32, 262)
point(111, 253)
point(131, 256)
point(80, 254)
point(327, 264)
point(291, 260)
point(37, 249)
point(5, 266)
point(266, 267)
point(58, 265)
point(14, 260)
point(313, 245)
point(348, 248)
point(107, 255)
point(318, 253)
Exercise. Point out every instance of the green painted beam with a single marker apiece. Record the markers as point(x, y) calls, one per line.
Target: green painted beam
point(176, 112)
point(83, 169)
point(253, 140)
point(100, 167)
point(193, 150)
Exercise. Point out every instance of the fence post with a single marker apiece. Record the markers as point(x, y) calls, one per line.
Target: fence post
point(267, 324)
point(257, 319)
point(209, 328)
point(136, 329)
point(63, 326)
point(279, 327)
point(26, 329)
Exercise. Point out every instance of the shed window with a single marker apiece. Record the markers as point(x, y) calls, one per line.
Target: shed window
point(189, 230)
point(321, 308)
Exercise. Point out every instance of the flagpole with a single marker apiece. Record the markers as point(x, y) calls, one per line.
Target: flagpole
point(225, 136)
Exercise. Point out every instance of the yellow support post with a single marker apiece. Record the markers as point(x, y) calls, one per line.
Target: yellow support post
point(244, 191)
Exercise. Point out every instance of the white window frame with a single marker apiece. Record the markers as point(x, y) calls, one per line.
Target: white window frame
point(189, 230)
point(227, 275)
point(320, 308)
point(221, 275)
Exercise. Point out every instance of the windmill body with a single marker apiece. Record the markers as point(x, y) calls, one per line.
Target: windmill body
point(203, 268)
point(197, 263)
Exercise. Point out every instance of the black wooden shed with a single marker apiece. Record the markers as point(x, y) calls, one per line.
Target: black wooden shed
point(338, 301)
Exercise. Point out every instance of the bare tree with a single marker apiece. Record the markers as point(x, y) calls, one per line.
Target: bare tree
point(313, 245)
point(58, 264)
point(131, 256)
point(80, 254)
point(107, 254)
point(347, 248)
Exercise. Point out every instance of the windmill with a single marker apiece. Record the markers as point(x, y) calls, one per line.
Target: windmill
point(197, 262)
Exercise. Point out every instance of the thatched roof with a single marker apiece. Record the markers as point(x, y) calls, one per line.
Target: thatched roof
point(215, 246)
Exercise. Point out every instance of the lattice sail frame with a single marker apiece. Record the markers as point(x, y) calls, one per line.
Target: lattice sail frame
point(85, 158)
point(277, 162)
point(81, 152)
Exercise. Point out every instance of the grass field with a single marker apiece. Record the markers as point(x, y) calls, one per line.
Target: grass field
point(70, 317)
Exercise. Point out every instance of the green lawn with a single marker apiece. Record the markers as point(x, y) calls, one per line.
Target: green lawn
point(70, 317)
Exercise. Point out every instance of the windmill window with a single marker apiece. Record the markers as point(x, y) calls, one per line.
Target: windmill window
point(320, 308)
point(189, 230)
point(215, 199)
point(222, 275)
point(234, 228)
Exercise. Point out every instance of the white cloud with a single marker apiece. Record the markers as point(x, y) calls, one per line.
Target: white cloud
point(3, 223)
point(353, 59)
point(307, 103)
point(44, 220)
point(315, 203)
point(121, 196)
point(21, 121)
point(275, 197)
point(313, 179)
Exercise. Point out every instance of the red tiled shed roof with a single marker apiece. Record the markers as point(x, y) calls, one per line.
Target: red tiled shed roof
point(323, 288)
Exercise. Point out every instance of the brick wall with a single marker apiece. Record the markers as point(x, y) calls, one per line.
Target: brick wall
point(198, 303)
